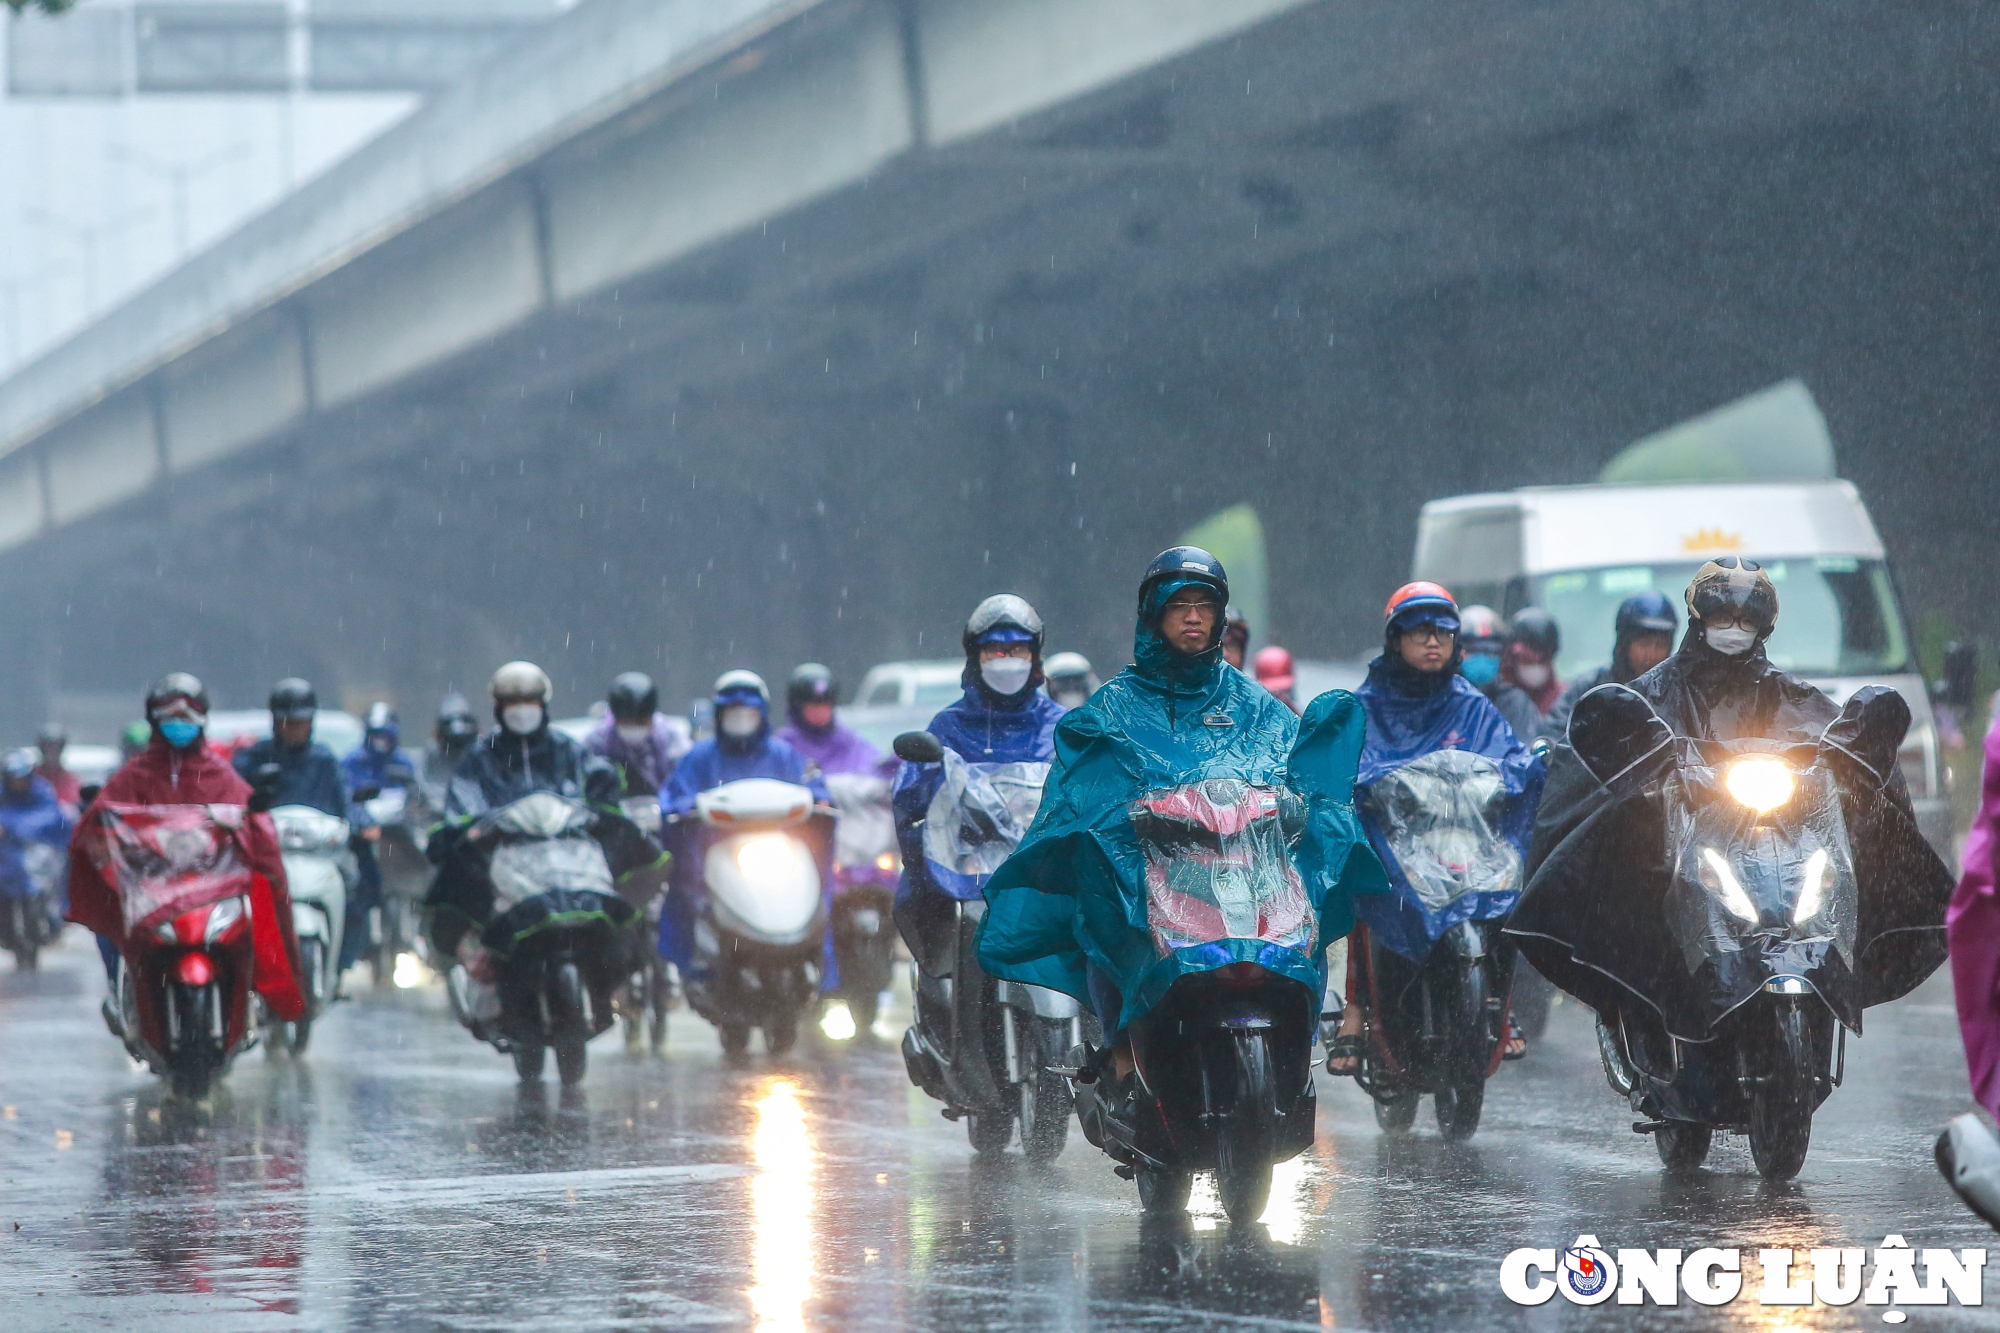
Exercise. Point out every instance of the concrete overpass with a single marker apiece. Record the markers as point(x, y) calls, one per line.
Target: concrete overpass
point(717, 331)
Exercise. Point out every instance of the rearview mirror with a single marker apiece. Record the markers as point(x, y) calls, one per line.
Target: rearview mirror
point(1613, 728)
point(1871, 728)
point(919, 747)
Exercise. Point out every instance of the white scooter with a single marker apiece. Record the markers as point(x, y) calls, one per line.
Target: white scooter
point(321, 872)
point(759, 936)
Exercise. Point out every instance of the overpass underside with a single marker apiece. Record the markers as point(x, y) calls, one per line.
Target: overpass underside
point(806, 351)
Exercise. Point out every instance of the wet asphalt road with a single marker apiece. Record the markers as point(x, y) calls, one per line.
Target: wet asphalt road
point(398, 1179)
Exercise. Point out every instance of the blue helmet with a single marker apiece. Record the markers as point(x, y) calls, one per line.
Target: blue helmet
point(19, 764)
point(1647, 612)
point(1181, 565)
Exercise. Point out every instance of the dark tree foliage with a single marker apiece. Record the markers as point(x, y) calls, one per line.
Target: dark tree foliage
point(40, 6)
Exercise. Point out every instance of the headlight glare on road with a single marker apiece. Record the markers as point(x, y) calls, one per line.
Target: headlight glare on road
point(1760, 782)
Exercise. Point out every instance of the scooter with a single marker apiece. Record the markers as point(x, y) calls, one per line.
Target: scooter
point(1764, 900)
point(320, 871)
point(642, 1001)
point(864, 890)
point(991, 1051)
point(31, 919)
point(760, 932)
point(1434, 1012)
point(184, 984)
point(1223, 1065)
point(396, 927)
point(557, 944)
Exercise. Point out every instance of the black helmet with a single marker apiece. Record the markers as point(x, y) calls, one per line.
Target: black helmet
point(1732, 587)
point(811, 683)
point(456, 722)
point(1003, 616)
point(1182, 562)
point(1535, 628)
point(176, 685)
point(633, 697)
point(1647, 612)
point(293, 699)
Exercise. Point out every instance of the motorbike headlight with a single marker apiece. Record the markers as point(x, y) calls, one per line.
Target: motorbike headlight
point(1722, 882)
point(1760, 782)
point(1812, 890)
point(766, 856)
point(222, 916)
point(886, 862)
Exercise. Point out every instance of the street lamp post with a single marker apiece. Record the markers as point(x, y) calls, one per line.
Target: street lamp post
point(179, 177)
point(85, 235)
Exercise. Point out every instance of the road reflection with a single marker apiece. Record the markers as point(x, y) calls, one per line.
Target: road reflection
point(781, 1210)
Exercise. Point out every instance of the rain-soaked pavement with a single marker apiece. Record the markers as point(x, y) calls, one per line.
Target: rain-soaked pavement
point(398, 1179)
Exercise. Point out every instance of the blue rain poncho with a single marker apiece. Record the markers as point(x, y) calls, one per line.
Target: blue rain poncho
point(1075, 894)
point(1447, 793)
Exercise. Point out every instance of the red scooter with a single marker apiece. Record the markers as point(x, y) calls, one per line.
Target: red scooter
point(190, 951)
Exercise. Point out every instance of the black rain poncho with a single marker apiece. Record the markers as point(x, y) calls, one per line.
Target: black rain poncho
point(1600, 916)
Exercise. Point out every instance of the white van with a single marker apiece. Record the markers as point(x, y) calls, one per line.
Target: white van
point(1577, 551)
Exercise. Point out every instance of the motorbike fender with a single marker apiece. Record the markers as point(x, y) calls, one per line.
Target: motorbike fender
point(309, 921)
point(1038, 1001)
point(1465, 940)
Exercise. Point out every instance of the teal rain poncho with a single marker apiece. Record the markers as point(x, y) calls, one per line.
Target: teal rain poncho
point(1076, 888)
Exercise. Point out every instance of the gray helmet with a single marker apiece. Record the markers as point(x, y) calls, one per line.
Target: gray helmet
point(992, 619)
point(520, 682)
point(292, 699)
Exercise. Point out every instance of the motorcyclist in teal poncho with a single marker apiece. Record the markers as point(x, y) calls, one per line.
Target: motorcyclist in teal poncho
point(1069, 910)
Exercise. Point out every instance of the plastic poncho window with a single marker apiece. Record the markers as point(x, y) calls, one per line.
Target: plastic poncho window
point(977, 817)
point(1447, 793)
point(1190, 821)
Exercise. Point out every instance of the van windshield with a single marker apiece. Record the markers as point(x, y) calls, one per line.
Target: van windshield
point(1837, 614)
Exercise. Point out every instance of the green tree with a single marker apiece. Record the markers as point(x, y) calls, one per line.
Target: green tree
point(42, 6)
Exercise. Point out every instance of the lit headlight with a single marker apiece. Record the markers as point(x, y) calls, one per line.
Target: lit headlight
point(1722, 882)
point(766, 856)
point(1812, 890)
point(886, 862)
point(1761, 783)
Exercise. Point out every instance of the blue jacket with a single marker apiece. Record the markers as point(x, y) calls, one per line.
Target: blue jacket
point(35, 816)
point(708, 765)
point(983, 729)
point(365, 767)
point(1410, 715)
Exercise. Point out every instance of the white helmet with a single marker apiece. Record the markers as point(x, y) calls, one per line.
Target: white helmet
point(739, 680)
point(519, 682)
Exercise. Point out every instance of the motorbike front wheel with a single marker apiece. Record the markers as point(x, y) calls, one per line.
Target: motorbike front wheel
point(572, 1060)
point(781, 1034)
point(1458, 1107)
point(1248, 1135)
point(1781, 1107)
point(1682, 1146)
point(988, 1134)
point(1164, 1191)
point(1395, 1114)
point(1045, 1115)
point(528, 1061)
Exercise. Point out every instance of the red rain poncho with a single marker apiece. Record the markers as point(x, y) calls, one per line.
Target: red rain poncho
point(162, 776)
point(1973, 924)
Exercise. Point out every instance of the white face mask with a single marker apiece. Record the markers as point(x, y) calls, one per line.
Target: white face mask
point(1733, 641)
point(1532, 674)
point(635, 734)
point(1070, 698)
point(741, 721)
point(521, 719)
point(1006, 675)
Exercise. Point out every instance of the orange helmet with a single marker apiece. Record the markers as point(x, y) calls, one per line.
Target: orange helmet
point(1421, 603)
